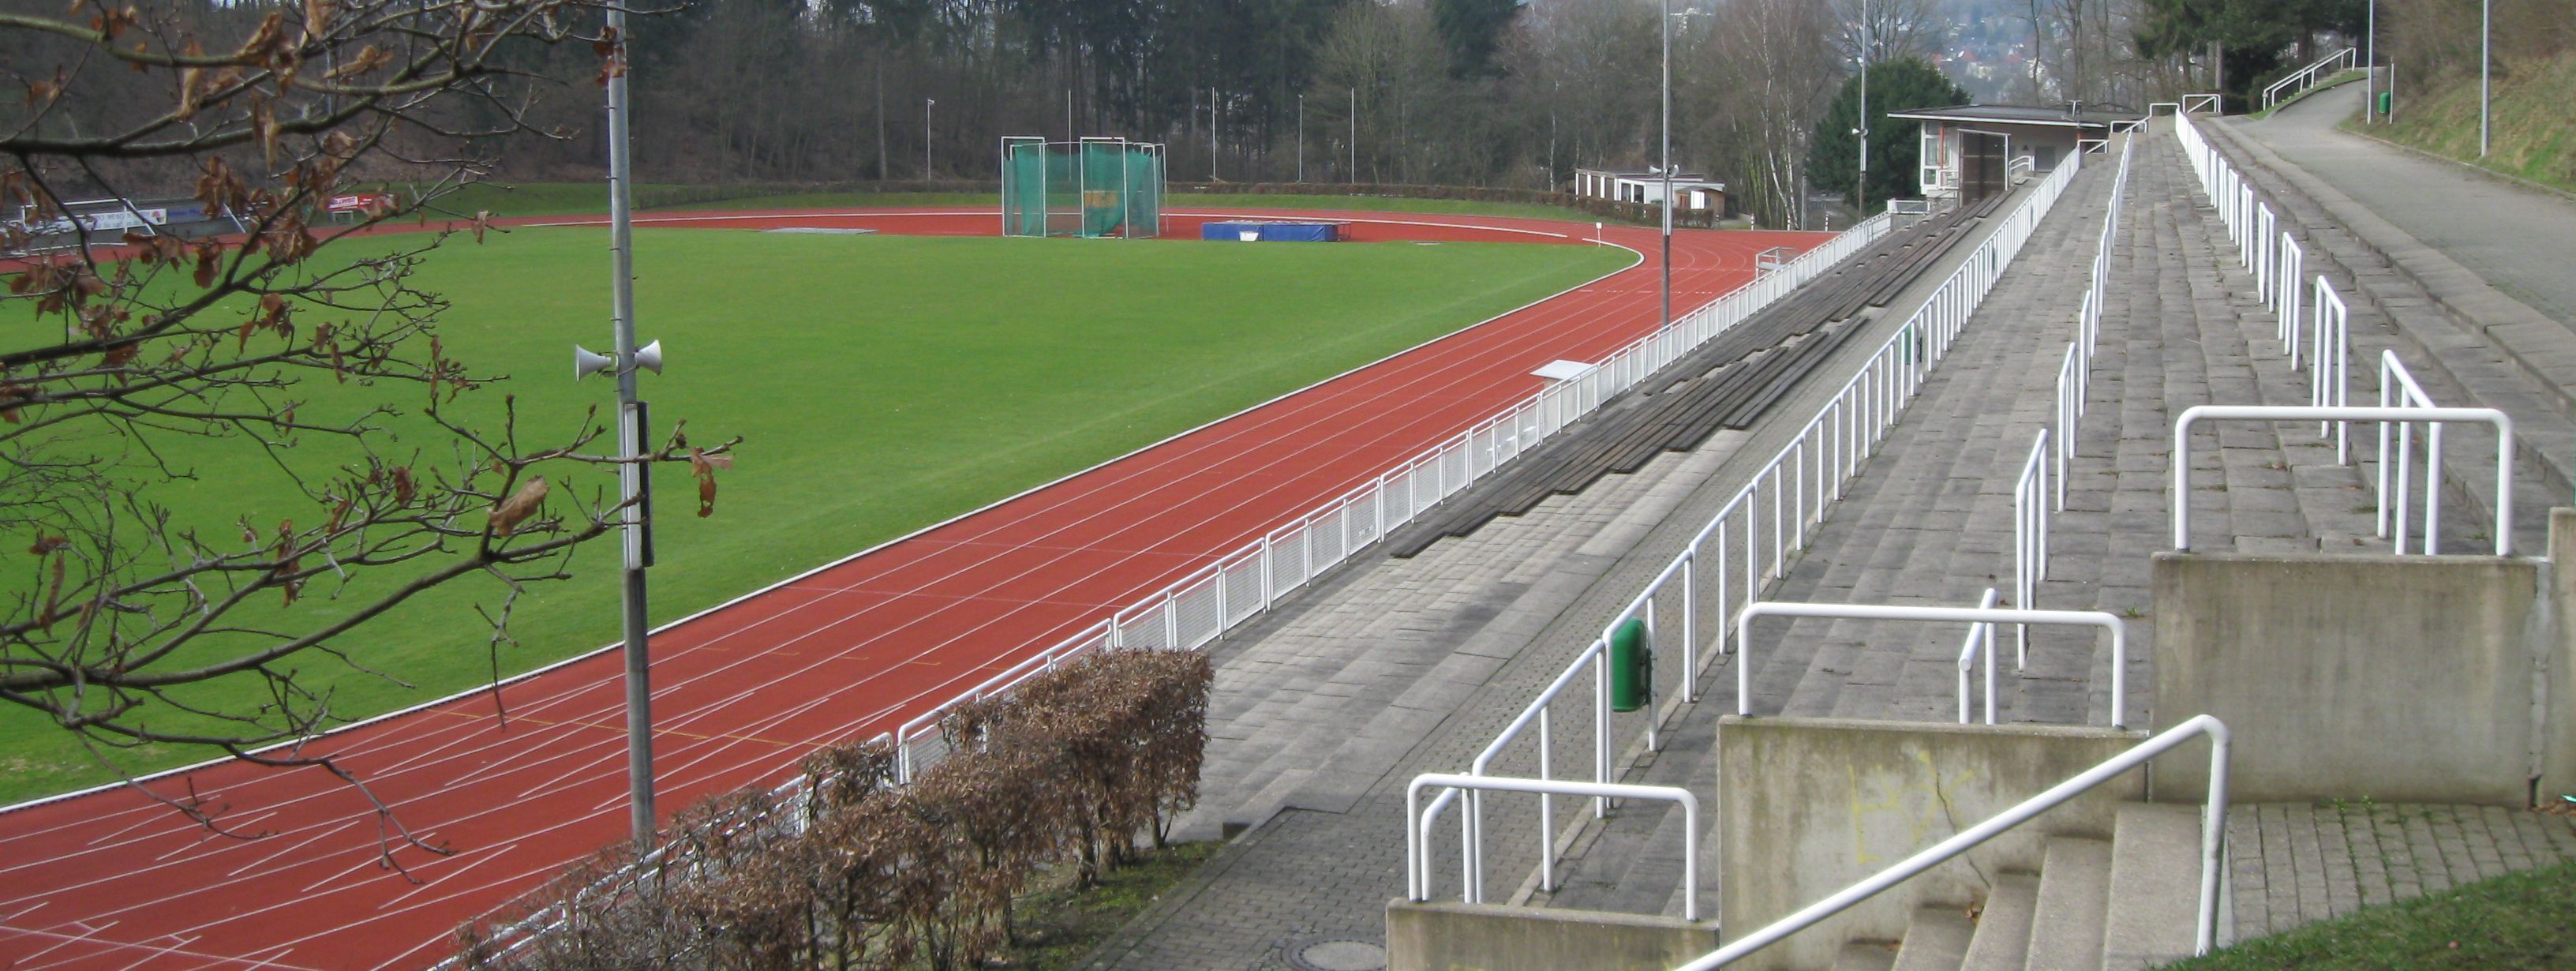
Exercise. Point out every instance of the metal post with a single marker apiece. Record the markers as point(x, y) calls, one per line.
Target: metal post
point(1860, 187)
point(926, 104)
point(1301, 139)
point(1212, 134)
point(1355, 137)
point(2486, 16)
point(2370, 64)
point(1667, 318)
point(630, 474)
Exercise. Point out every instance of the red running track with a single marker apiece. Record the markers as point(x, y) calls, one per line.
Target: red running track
point(741, 692)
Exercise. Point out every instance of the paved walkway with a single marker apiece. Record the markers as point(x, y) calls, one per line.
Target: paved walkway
point(2300, 862)
point(2517, 238)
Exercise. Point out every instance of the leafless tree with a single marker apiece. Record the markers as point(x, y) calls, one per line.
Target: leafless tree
point(147, 370)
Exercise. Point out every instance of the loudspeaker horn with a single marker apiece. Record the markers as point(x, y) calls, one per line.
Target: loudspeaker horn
point(585, 363)
point(649, 357)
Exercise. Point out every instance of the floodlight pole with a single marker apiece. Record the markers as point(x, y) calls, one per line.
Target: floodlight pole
point(2486, 21)
point(630, 471)
point(1211, 134)
point(926, 104)
point(2370, 64)
point(1860, 186)
point(1355, 135)
point(1668, 164)
point(1301, 139)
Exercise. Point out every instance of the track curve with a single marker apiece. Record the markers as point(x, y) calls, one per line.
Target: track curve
point(744, 690)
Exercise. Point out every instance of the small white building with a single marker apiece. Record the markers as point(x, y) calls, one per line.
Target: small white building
point(1692, 191)
point(1970, 151)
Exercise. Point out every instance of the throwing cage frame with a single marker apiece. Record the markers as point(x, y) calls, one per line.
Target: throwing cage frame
point(1091, 188)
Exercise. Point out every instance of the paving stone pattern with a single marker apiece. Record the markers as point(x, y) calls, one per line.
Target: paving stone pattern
point(2293, 863)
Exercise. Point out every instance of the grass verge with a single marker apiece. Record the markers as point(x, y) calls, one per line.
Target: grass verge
point(2531, 134)
point(2520, 922)
point(884, 383)
point(1058, 926)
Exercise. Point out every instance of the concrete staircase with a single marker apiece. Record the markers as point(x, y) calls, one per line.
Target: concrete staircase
point(2095, 905)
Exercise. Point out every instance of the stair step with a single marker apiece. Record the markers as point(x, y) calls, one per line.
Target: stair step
point(1866, 956)
point(2074, 892)
point(1936, 939)
point(2155, 886)
point(2002, 940)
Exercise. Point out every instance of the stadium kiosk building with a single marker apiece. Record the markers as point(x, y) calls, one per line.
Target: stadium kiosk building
point(1969, 150)
point(1091, 188)
point(1692, 191)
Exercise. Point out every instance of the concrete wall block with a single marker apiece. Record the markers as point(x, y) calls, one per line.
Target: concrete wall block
point(2405, 679)
point(1808, 806)
point(1487, 937)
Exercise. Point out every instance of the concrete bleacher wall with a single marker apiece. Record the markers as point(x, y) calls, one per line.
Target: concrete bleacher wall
point(2402, 679)
point(1809, 806)
point(1491, 937)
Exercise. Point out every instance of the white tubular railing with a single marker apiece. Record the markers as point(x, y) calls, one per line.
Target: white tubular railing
point(2070, 410)
point(1751, 538)
point(1947, 615)
point(2299, 82)
point(2329, 370)
point(2030, 536)
point(1980, 641)
point(2200, 104)
point(1200, 607)
point(2213, 844)
point(2504, 450)
point(2284, 298)
point(1418, 820)
point(2395, 382)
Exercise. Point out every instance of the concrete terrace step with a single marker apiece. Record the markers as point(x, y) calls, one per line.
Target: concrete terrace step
point(2074, 890)
point(1936, 939)
point(1866, 956)
point(2002, 940)
point(2514, 361)
point(2155, 886)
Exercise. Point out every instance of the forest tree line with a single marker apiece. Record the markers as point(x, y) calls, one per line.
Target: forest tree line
point(1511, 93)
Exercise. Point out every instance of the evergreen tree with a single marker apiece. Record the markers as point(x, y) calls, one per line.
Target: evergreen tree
point(1895, 150)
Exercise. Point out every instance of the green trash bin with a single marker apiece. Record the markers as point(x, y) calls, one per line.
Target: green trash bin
point(1632, 666)
point(2386, 100)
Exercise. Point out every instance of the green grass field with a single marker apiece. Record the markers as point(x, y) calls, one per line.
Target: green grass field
point(884, 383)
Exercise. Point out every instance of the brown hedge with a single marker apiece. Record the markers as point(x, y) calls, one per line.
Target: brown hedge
point(1071, 769)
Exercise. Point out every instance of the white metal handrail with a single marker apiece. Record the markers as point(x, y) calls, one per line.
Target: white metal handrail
point(2298, 82)
point(1417, 829)
point(2213, 844)
point(1948, 615)
point(2395, 383)
point(2502, 423)
point(2329, 369)
point(2203, 104)
point(2030, 536)
point(1980, 641)
point(1786, 496)
point(2284, 298)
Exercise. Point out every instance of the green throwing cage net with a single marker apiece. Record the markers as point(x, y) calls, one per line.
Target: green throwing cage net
point(1095, 187)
